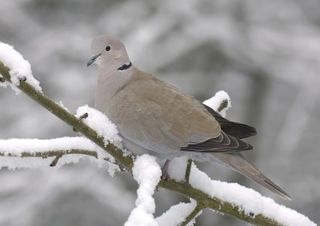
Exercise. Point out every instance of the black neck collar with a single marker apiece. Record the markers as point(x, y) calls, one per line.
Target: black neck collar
point(125, 67)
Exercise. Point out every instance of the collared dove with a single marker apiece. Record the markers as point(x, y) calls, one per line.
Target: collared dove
point(154, 117)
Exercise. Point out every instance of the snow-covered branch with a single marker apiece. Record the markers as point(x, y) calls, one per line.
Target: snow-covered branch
point(14, 154)
point(226, 198)
point(147, 172)
point(67, 117)
point(32, 153)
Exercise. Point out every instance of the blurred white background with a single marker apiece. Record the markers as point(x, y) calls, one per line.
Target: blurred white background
point(265, 54)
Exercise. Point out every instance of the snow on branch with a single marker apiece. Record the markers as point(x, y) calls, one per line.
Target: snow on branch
point(247, 200)
point(226, 198)
point(33, 153)
point(20, 69)
point(180, 214)
point(147, 173)
point(220, 102)
point(101, 124)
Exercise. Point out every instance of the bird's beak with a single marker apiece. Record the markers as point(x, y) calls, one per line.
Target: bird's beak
point(93, 59)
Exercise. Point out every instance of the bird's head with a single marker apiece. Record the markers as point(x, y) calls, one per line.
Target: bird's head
point(109, 53)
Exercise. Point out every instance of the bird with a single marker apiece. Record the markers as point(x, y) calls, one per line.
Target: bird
point(154, 117)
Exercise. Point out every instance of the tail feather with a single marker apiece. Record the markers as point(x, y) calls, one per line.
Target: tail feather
point(238, 163)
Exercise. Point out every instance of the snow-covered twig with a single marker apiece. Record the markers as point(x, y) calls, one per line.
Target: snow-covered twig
point(220, 102)
point(20, 69)
point(201, 188)
point(31, 153)
point(193, 214)
point(147, 173)
point(178, 214)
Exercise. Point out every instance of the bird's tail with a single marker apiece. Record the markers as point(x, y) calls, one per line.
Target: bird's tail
point(238, 163)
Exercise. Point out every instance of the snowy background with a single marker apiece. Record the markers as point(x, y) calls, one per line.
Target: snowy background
point(266, 55)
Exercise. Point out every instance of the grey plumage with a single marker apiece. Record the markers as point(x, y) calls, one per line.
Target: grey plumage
point(155, 117)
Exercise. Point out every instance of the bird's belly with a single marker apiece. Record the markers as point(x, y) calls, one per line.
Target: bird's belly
point(168, 155)
point(139, 150)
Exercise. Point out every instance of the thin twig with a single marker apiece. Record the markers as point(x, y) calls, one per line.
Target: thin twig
point(49, 153)
point(84, 116)
point(223, 105)
point(192, 215)
point(188, 171)
point(55, 161)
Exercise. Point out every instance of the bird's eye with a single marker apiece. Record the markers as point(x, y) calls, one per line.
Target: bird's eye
point(108, 48)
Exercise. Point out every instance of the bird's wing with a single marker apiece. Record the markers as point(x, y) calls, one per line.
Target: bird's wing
point(234, 129)
point(223, 142)
point(158, 117)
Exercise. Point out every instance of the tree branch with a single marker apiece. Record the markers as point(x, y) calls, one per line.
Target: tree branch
point(127, 161)
point(215, 203)
point(68, 118)
point(54, 153)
